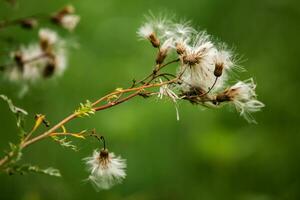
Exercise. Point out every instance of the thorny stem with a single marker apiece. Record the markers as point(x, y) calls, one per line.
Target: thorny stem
point(137, 90)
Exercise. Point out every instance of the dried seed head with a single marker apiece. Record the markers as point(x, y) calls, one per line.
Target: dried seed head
point(104, 158)
point(68, 9)
point(29, 23)
point(66, 18)
point(45, 46)
point(161, 56)
point(49, 69)
point(69, 22)
point(223, 98)
point(104, 154)
point(154, 40)
point(106, 169)
point(191, 59)
point(218, 69)
point(243, 97)
point(19, 59)
point(47, 39)
point(180, 48)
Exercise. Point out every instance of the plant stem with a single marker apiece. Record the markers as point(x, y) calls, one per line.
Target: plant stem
point(33, 59)
point(72, 116)
point(47, 133)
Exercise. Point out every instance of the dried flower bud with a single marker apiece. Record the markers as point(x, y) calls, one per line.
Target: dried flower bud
point(162, 54)
point(68, 9)
point(49, 69)
point(222, 98)
point(104, 154)
point(66, 18)
point(191, 59)
point(45, 46)
point(29, 23)
point(180, 48)
point(19, 59)
point(57, 17)
point(47, 39)
point(218, 69)
point(154, 40)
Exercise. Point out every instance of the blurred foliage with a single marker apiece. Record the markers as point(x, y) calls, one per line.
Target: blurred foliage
point(208, 154)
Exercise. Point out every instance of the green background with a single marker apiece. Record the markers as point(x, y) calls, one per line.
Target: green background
point(208, 154)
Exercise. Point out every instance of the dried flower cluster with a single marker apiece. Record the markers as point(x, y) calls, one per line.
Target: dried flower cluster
point(202, 78)
point(39, 60)
point(204, 69)
point(65, 17)
point(43, 59)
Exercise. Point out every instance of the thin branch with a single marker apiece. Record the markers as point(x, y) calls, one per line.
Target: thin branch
point(156, 69)
point(137, 91)
point(33, 59)
point(210, 89)
point(18, 21)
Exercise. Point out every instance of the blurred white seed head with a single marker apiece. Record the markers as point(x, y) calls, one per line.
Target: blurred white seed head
point(106, 169)
point(70, 22)
point(28, 72)
point(47, 36)
point(66, 18)
point(37, 61)
point(47, 39)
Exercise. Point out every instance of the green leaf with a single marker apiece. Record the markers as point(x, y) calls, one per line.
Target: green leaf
point(16, 152)
point(27, 168)
point(85, 109)
point(65, 143)
point(19, 113)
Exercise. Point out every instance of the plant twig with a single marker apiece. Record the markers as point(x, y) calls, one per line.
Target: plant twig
point(137, 90)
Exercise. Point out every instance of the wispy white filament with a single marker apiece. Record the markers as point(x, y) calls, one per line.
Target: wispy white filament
point(204, 67)
point(244, 99)
point(105, 173)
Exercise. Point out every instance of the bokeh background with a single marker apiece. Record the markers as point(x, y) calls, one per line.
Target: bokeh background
point(208, 154)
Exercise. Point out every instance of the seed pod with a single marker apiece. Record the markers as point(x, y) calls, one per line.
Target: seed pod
point(180, 49)
point(154, 40)
point(69, 9)
point(18, 57)
point(218, 69)
point(162, 54)
point(49, 69)
point(222, 97)
point(191, 59)
point(44, 44)
point(104, 154)
point(57, 17)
